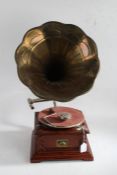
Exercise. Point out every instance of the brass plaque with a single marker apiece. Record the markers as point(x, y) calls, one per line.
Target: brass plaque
point(62, 143)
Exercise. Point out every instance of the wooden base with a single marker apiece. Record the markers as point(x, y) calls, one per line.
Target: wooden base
point(60, 155)
point(44, 148)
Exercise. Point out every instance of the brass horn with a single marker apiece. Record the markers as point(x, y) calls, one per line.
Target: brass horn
point(57, 61)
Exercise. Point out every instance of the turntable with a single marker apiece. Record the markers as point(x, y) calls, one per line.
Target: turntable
point(58, 62)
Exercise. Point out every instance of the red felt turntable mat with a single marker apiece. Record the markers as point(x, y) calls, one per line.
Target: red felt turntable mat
point(51, 117)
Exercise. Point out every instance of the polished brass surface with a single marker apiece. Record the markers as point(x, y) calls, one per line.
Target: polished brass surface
point(57, 61)
point(62, 143)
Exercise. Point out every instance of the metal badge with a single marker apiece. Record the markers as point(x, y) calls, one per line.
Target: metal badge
point(62, 143)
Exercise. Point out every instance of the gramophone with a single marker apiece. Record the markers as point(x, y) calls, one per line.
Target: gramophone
point(58, 62)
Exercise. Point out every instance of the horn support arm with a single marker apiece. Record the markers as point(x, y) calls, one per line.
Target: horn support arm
point(37, 100)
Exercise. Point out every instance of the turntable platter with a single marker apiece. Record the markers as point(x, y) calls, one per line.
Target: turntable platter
point(61, 117)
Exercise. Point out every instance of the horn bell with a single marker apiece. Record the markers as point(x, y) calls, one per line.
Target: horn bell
point(57, 61)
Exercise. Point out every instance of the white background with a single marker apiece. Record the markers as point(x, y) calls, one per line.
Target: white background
point(98, 18)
